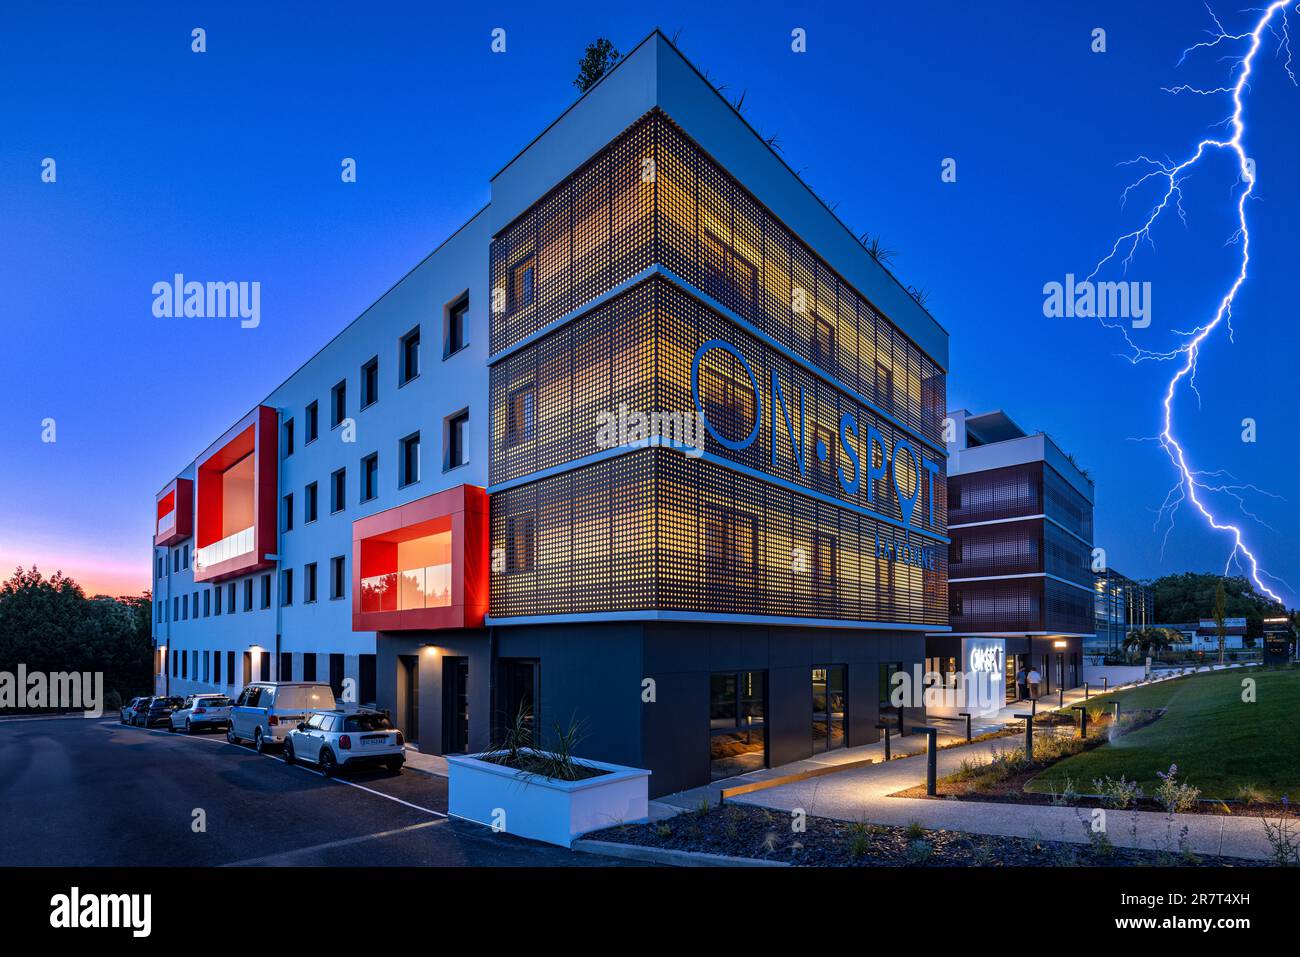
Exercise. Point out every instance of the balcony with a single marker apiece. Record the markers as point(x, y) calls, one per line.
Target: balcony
point(422, 565)
point(235, 523)
point(174, 513)
point(230, 547)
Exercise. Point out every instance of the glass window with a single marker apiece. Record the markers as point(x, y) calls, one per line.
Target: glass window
point(457, 440)
point(410, 459)
point(309, 503)
point(457, 337)
point(313, 422)
point(286, 587)
point(737, 722)
point(519, 542)
point(338, 490)
point(520, 291)
point(370, 382)
point(309, 582)
point(288, 439)
point(336, 576)
point(338, 403)
point(409, 350)
point(288, 512)
point(370, 476)
point(519, 417)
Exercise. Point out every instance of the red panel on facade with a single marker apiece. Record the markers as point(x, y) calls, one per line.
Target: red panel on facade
point(235, 528)
point(423, 565)
point(174, 516)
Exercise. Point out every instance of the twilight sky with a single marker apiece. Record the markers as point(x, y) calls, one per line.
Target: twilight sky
point(225, 165)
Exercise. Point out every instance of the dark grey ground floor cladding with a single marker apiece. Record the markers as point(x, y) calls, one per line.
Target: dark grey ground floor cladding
point(641, 689)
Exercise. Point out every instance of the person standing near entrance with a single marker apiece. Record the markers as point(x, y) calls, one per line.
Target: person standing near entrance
point(1035, 680)
point(1022, 684)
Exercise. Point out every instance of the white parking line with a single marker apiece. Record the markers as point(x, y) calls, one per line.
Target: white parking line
point(337, 780)
point(274, 858)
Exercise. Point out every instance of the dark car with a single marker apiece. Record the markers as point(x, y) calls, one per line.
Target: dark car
point(160, 710)
point(127, 714)
point(139, 708)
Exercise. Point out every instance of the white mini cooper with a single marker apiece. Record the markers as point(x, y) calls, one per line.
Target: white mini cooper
point(336, 740)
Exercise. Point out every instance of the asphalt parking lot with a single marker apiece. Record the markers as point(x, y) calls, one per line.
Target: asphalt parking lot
point(88, 792)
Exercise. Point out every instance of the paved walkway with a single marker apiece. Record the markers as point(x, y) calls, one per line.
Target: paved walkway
point(862, 794)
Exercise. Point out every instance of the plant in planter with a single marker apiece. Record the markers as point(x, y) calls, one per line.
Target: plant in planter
point(547, 794)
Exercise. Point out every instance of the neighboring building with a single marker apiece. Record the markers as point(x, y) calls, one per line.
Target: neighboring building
point(1121, 605)
point(1020, 584)
point(728, 596)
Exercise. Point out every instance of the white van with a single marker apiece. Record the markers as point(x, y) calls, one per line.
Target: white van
point(267, 710)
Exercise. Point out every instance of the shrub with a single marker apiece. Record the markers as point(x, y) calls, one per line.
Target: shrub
point(914, 831)
point(918, 852)
point(1117, 795)
point(1173, 795)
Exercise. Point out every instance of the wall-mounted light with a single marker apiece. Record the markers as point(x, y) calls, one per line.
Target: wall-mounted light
point(1060, 644)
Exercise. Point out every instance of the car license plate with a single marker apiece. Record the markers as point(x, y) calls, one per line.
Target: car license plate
point(374, 742)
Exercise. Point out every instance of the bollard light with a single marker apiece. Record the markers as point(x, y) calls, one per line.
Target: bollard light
point(1060, 703)
point(1086, 691)
point(966, 715)
point(885, 727)
point(931, 758)
point(1083, 720)
point(1105, 683)
point(1029, 734)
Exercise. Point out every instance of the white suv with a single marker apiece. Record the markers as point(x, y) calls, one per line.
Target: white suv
point(200, 711)
point(336, 740)
point(266, 710)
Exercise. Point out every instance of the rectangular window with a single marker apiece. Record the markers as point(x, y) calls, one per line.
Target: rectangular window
point(286, 666)
point(230, 667)
point(728, 400)
point(176, 665)
point(309, 582)
point(409, 452)
point(230, 598)
point(336, 576)
point(737, 722)
point(185, 559)
point(218, 599)
point(519, 414)
point(370, 383)
point(309, 498)
point(176, 609)
point(519, 292)
point(207, 604)
point(730, 543)
point(185, 665)
point(338, 490)
point(207, 666)
point(185, 607)
point(370, 476)
point(287, 513)
point(823, 344)
point(264, 665)
point(409, 356)
point(266, 589)
point(309, 666)
point(286, 587)
point(519, 542)
point(216, 667)
point(824, 563)
point(313, 422)
point(248, 594)
point(176, 560)
point(287, 444)
point(336, 674)
point(338, 403)
point(366, 678)
point(456, 440)
point(457, 327)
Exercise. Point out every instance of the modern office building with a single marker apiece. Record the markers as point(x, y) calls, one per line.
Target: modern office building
point(1121, 605)
point(1020, 584)
point(652, 444)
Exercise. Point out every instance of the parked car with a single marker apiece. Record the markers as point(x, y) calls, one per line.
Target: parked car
point(139, 708)
point(160, 710)
point(199, 711)
point(127, 713)
point(266, 710)
point(336, 740)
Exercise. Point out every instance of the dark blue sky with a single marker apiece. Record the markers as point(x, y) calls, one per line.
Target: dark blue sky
point(226, 165)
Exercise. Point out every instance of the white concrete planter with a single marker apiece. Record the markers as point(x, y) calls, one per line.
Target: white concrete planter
point(557, 812)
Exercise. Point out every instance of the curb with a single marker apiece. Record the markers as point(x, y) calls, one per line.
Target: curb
point(668, 857)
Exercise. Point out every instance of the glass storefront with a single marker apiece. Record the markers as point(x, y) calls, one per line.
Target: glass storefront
point(737, 722)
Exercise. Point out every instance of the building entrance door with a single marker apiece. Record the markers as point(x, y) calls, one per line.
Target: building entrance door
point(518, 695)
point(1060, 669)
point(408, 686)
point(455, 705)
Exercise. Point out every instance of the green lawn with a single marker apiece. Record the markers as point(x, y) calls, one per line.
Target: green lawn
point(1219, 742)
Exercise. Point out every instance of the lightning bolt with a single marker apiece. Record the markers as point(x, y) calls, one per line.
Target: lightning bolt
point(1193, 485)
